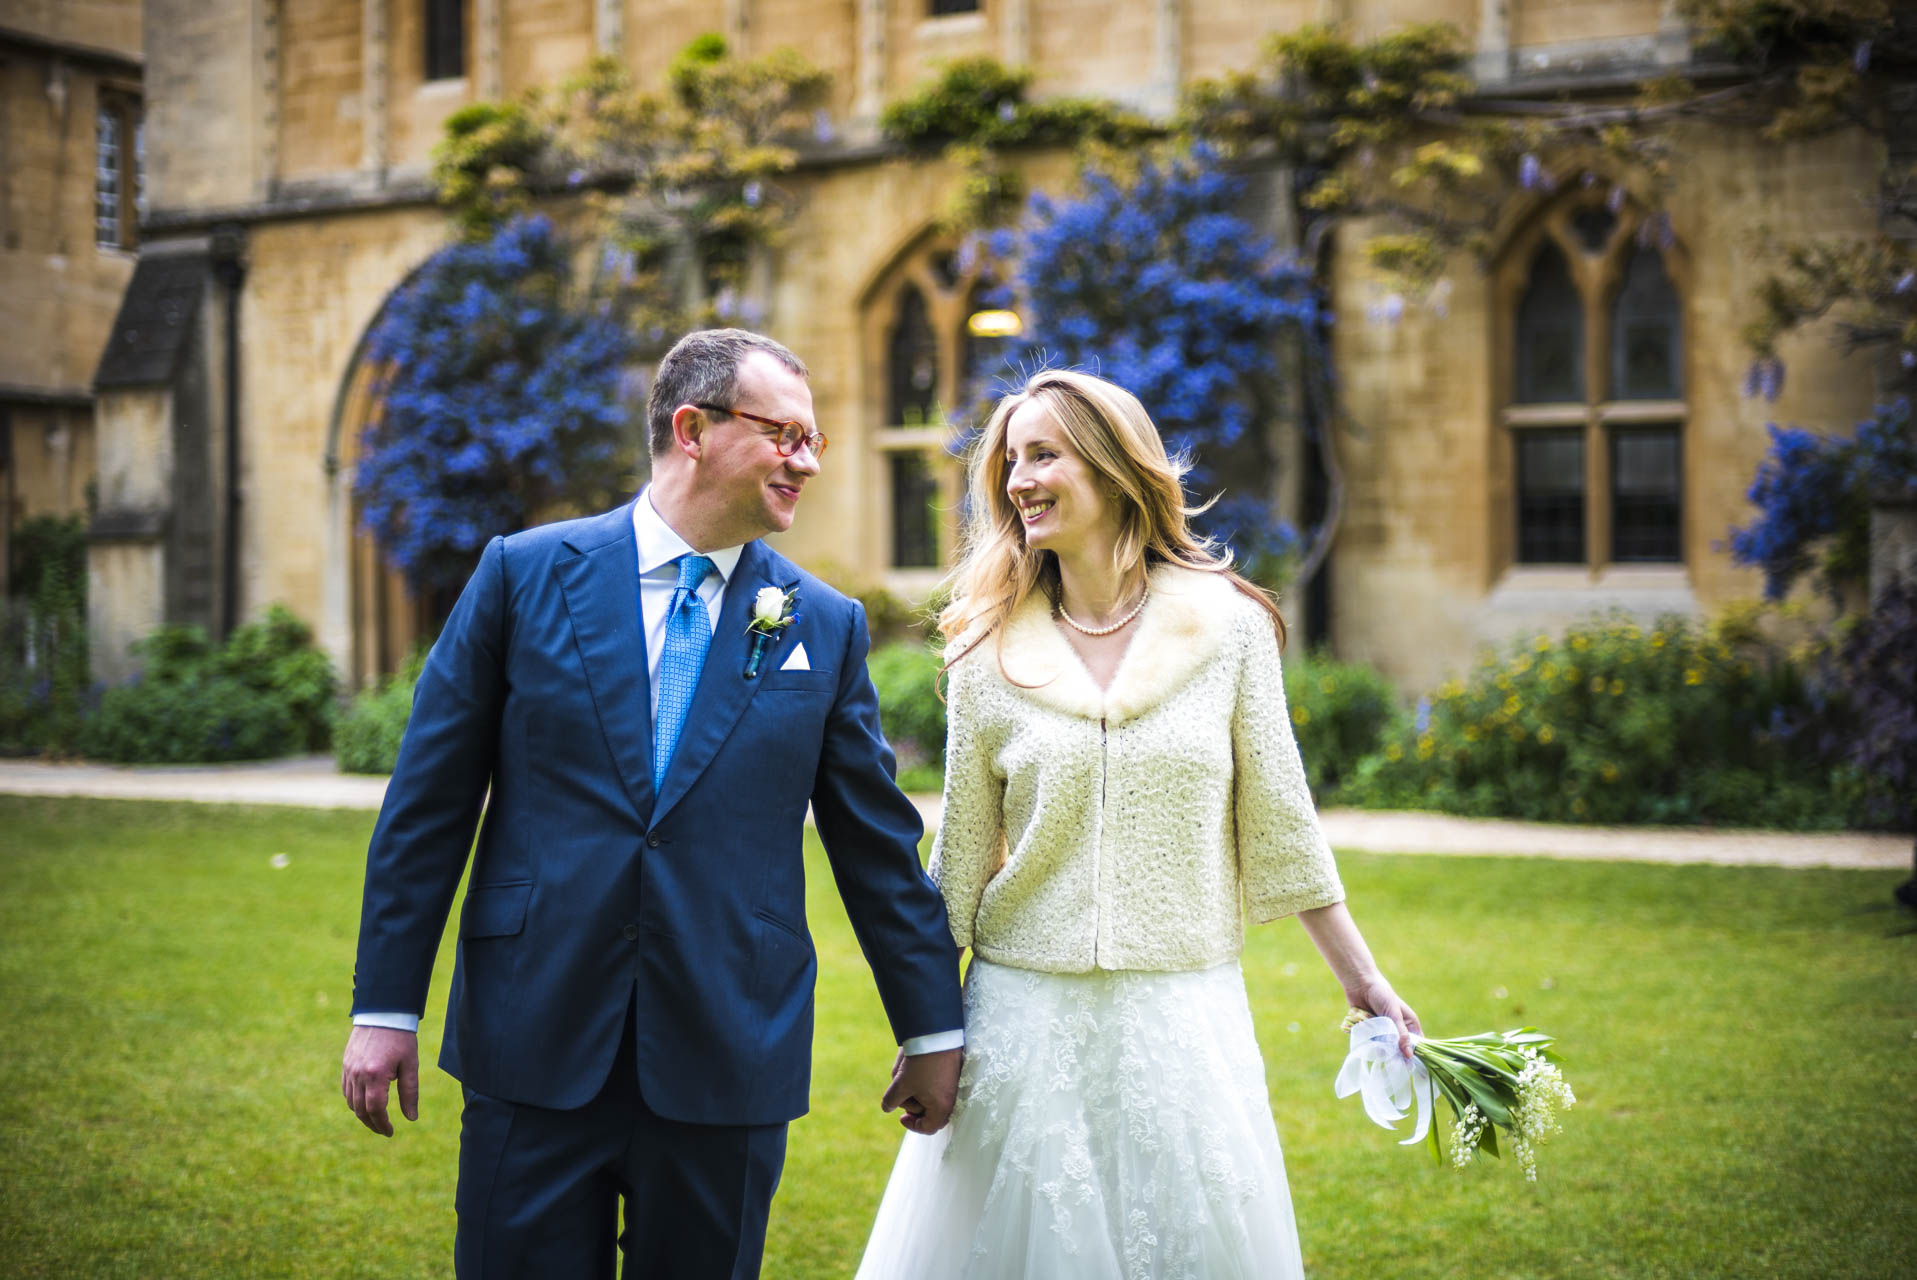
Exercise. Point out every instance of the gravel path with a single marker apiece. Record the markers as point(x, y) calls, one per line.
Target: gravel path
point(313, 782)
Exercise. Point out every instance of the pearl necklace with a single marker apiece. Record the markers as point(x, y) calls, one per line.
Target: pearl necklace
point(1076, 625)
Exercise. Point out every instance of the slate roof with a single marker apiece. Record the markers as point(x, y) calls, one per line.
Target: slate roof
point(156, 317)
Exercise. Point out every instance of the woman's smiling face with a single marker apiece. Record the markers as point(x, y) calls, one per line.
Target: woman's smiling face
point(1058, 498)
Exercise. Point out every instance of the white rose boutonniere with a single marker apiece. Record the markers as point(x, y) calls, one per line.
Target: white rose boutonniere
point(773, 610)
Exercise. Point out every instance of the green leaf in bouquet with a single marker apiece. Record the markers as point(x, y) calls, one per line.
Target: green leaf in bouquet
point(1494, 1107)
point(1488, 1141)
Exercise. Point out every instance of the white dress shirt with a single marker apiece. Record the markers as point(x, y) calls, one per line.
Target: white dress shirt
point(659, 551)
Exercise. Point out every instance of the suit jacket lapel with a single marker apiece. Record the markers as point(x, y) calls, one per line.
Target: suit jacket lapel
point(723, 691)
point(601, 587)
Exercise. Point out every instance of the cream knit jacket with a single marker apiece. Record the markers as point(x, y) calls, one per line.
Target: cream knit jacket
point(1123, 829)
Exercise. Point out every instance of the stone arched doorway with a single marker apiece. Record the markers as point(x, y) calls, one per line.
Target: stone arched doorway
point(371, 619)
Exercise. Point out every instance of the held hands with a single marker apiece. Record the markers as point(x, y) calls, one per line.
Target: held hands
point(926, 1086)
point(1376, 997)
point(375, 1055)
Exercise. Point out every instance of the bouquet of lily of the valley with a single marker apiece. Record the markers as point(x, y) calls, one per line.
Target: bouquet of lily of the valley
point(1499, 1080)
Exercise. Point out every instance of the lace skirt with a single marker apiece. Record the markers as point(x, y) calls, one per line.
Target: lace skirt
point(1109, 1124)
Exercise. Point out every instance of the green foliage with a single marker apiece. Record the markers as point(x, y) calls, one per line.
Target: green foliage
point(266, 692)
point(682, 182)
point(1340, 713)
point(484, 164)
point(911, 712)
point(276, 656)
point(1615, 723)
point(45, 675)
point(977, 107)
point(368, 735)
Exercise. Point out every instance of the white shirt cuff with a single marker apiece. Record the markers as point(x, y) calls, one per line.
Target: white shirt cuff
point(937, 1042)
point(397, 1021)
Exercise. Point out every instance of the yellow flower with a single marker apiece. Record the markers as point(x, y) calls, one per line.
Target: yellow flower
point(1617, 687)
point(1327, 685)
point(1608, 772)
point(1301, 716)
point(1549, 671)
point(1471, 734)
point(1546, 733)
point(1657, 641)
point(1597, 684)
point(1542, 643)
point(1504, 683)
point(1394, 752)
point(1693, 676)
point(1579, 643)
point(1424, 751)
point(1517, 733)
point(1512, 706)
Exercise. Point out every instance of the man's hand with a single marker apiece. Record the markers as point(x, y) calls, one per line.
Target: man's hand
point(926, 1085)
point(375, 1055)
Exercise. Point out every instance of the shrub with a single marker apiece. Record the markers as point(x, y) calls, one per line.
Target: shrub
point(266, 692)
point(45, 674)
point(276, 656)
point(910, 712)
point(1615, 723)
point(1340, 712)
point(203, 717)
point(368, 735)
point(1868, 712)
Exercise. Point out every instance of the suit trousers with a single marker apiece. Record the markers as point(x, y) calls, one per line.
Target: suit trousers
point(539, 1191)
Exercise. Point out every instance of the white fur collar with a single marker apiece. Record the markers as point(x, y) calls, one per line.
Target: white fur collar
point(1182, 626)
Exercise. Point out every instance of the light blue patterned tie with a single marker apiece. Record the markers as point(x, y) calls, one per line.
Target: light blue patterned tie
point(681, 658)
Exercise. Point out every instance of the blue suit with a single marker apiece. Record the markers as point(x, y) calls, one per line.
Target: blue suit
point(603, 918)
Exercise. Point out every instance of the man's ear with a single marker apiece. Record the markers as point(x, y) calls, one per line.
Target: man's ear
point(689, 431)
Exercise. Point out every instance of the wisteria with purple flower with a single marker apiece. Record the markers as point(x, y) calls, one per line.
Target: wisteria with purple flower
point(497, 397)
point(1156, 283)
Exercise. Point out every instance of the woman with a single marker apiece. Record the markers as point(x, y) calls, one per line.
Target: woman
point(1121, 786)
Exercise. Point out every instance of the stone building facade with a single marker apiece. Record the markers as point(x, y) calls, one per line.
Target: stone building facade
point(70, 198)
point(1564, 433)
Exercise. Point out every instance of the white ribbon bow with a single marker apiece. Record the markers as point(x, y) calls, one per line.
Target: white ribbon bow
point(1390, 1082)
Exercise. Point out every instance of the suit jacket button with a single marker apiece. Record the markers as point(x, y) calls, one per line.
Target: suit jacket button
point(631, 931)
point(652, 840)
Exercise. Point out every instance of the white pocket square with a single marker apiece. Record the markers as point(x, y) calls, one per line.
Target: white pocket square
point(796, 660)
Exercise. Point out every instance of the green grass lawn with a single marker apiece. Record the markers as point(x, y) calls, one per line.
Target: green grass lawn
point(1743, 1043)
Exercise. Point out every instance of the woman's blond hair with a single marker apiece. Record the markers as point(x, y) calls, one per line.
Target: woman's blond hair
point(1107, 427)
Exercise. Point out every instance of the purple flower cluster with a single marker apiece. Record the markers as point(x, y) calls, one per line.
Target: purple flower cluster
point(1157, 284)
point(1810, 487)
point(497, 397)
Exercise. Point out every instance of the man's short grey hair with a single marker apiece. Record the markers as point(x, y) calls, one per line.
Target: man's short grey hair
point(703, 368)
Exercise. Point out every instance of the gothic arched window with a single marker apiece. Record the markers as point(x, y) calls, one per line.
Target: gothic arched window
point(914, 364)
point(1646, 333)
point(1550, 333)
point(1596, 415)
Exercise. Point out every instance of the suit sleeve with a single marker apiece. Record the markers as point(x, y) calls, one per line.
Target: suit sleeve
point(1283, 859)
point(425, 829)
point(969, 848)
point(871, 834)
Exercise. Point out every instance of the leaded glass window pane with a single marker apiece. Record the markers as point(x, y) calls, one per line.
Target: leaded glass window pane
point(939, 8)
point(1646, 494)
point(915, 364)
point(915, 530)
point(1646, 333)
point(1551, 496)
point(445, 39)
point(106, 181)
point(1550, 333)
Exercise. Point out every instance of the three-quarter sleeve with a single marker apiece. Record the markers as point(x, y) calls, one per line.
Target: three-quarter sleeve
point(970, 844)
point(1283, 860)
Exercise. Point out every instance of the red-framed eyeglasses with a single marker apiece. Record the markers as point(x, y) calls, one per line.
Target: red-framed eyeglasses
point(788, 435)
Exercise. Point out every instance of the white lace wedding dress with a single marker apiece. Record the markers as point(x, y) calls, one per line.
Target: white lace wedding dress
point(1109, 1124)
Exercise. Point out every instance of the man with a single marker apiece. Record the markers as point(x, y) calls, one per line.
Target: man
point(631, 1010)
